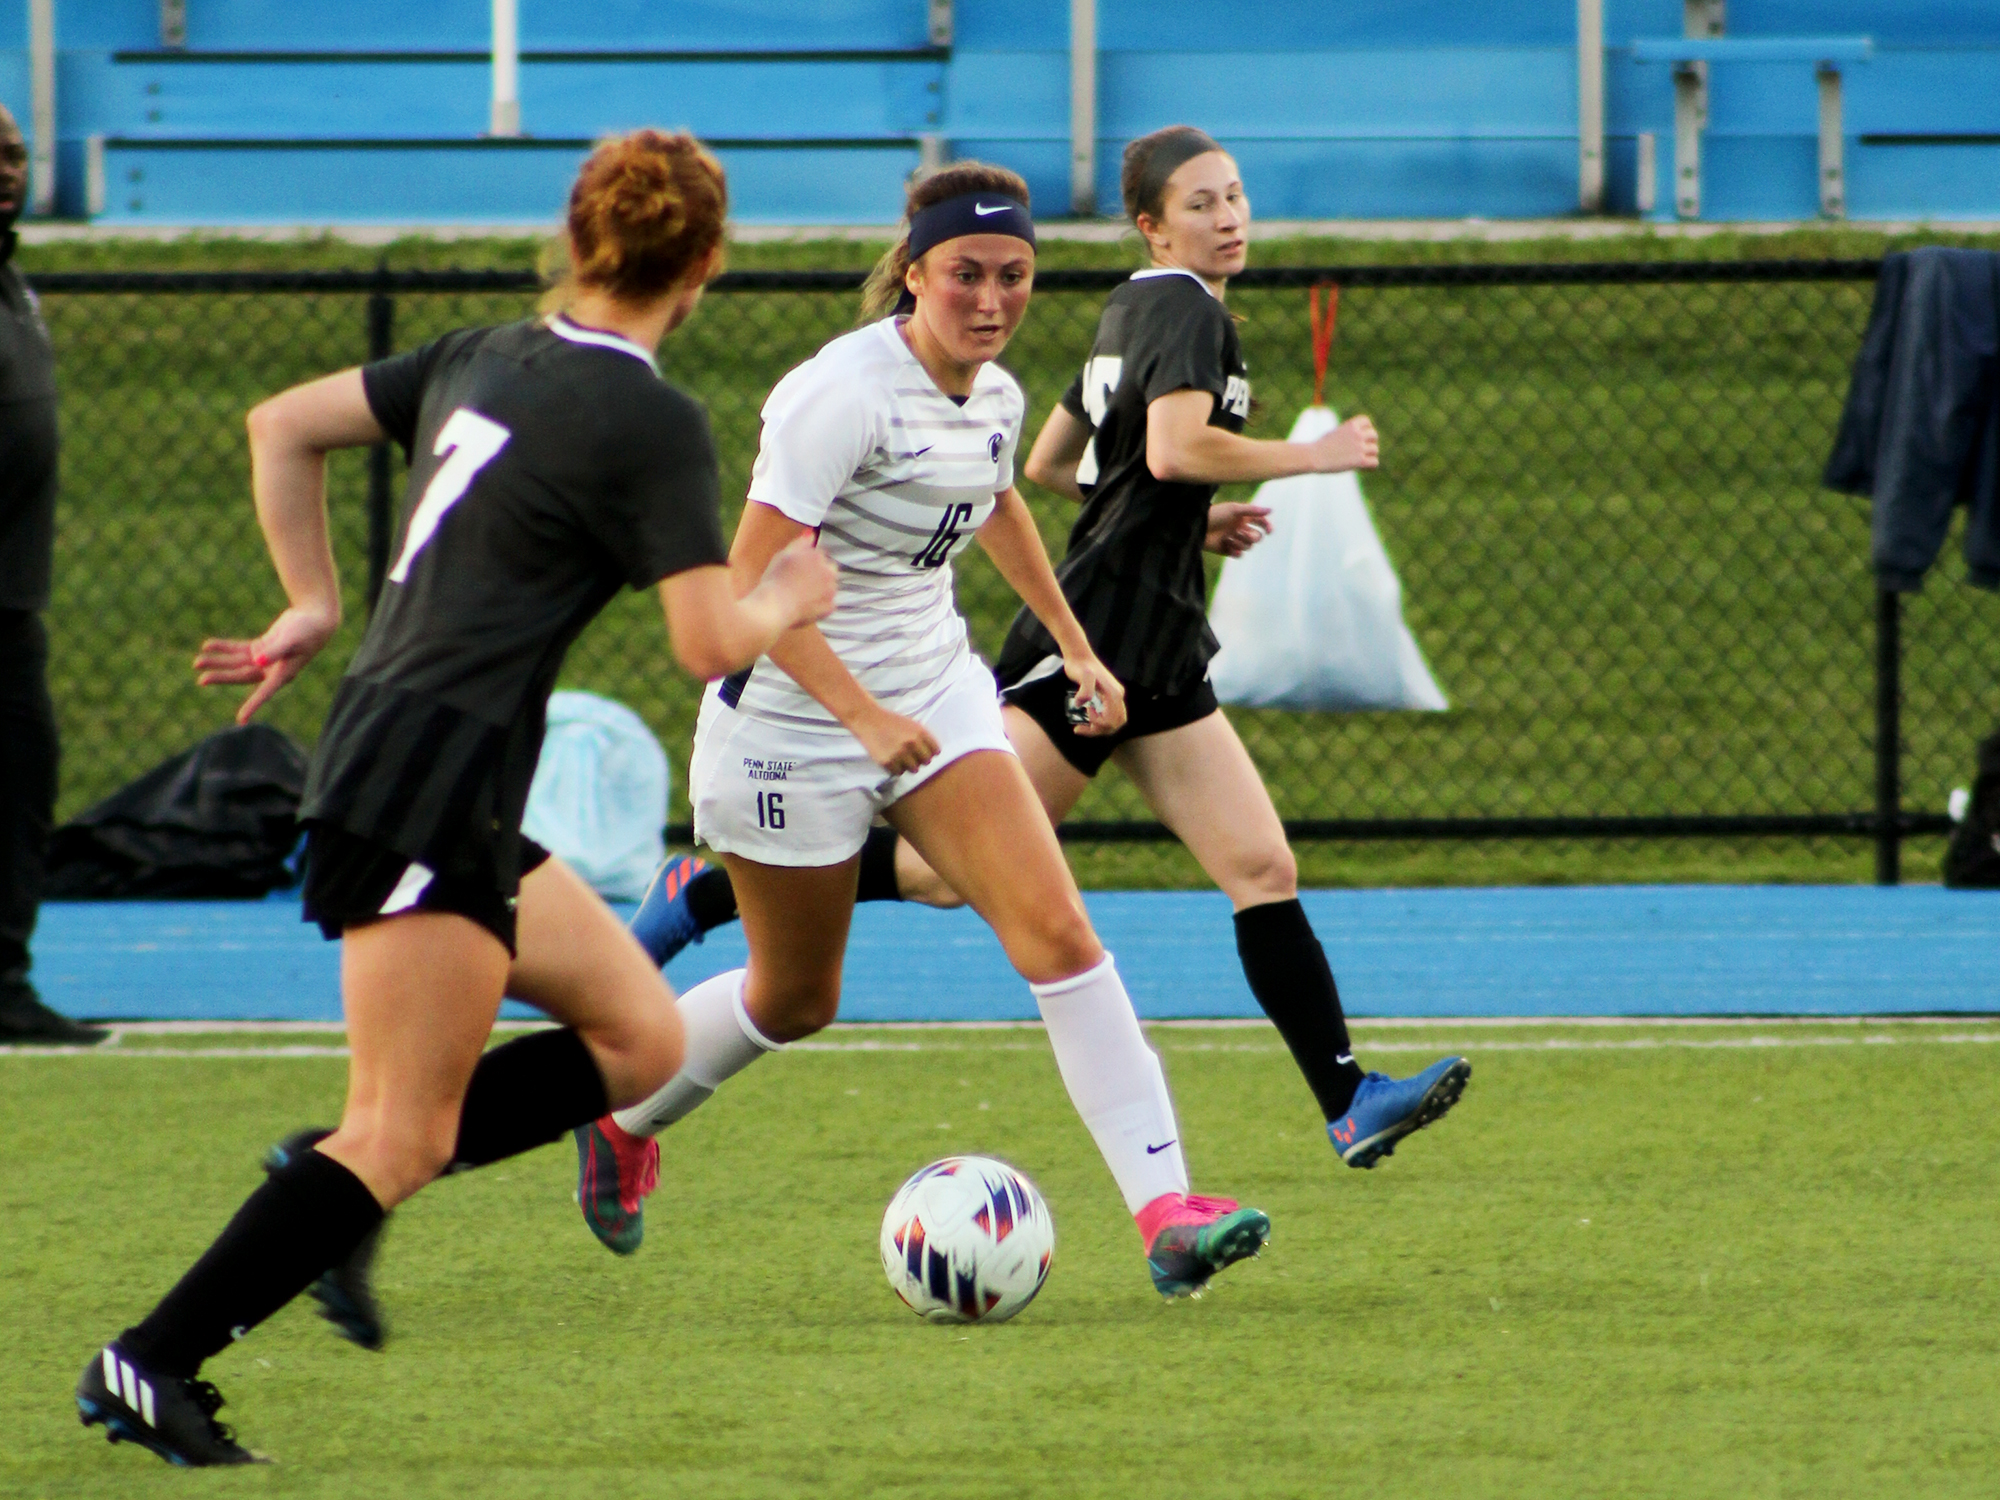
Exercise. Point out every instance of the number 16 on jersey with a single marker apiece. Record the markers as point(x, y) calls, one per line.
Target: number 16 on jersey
point(771, 810)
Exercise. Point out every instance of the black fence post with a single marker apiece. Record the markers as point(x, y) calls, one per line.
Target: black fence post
point(381, 344)
point(1888, 738)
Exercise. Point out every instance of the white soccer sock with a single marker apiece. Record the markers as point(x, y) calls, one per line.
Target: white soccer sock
point(722, 1041)
point(1115, 1081)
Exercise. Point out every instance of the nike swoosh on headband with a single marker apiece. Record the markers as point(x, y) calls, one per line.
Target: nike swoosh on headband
point(982, 210)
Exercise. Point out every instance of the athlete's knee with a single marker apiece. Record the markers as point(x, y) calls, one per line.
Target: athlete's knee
point(791, 1012)
point(1053, 941)
point(640, 1055)
point(396, 1157)
point(1264, 872)
point(916, 881)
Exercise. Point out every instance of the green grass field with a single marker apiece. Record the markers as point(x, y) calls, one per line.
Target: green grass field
point(1675, 1261)
point(1603, 503)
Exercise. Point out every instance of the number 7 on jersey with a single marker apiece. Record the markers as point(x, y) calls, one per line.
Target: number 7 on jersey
point(472, 441)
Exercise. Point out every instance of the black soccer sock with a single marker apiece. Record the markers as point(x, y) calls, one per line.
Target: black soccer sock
point(711, 898)
point(878, 867)
point(1292, 980)
point(527, 1093)
point(308, 1215)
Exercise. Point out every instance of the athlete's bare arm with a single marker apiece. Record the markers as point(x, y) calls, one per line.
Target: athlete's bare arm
point(1009, 537)
point(290, 437)
point(1181, 447)
point(1059, 448)
point(1234, 526)
point(893, 742)
point(716, 628)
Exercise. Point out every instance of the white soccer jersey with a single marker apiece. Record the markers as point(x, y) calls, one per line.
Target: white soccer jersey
point(860, 442)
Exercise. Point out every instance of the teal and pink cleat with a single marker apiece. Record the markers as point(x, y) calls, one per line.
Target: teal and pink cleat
point(1189, 1239)
point(615, 1170)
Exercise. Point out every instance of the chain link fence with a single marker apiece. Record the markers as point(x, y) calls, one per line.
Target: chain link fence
point(1599, 487)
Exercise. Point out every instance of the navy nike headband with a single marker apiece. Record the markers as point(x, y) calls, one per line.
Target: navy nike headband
point(969, 213)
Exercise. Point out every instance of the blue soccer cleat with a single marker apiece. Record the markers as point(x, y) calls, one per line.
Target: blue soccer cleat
point(664, 923)
point(1386, 1109)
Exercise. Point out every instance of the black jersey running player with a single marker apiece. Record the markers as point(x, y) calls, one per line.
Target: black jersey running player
point(551, 466)
point(1150, 428)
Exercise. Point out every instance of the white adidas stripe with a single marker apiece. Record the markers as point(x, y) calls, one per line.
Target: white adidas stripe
point(124, 1383)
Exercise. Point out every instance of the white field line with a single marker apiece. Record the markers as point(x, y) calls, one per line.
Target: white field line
point(1476, 1048)
point(1358, 1023)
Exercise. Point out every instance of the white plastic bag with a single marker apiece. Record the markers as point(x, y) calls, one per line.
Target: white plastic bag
point(599, 798)
point(1312, 616)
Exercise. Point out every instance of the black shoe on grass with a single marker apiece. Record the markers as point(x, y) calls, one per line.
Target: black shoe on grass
point(345, 1293)
point(25, 1021)
point(172, 1417)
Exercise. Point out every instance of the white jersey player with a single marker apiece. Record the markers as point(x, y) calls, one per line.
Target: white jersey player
point(896, 444)
point(862, 445)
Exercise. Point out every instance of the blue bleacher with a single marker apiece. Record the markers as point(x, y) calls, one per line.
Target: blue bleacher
point(376, 112)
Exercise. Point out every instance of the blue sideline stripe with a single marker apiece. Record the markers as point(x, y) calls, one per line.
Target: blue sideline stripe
point(1645, 950)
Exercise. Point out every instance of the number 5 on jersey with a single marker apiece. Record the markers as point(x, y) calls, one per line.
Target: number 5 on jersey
point(472, 441)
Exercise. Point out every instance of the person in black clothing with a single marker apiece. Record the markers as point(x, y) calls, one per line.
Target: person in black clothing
point(551, 466)
point(28, 746)
point(1150, 428)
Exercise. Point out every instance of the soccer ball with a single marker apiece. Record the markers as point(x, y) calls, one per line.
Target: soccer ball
point(967, 1240)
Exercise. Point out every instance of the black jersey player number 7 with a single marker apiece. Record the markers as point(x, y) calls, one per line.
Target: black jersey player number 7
point(473, 442)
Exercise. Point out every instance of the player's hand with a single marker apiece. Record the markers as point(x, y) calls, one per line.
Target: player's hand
point(270, 661)
point(1351, 445)
point(805, 578)
point(1235, 526)
point(1098, 693)
point(895, 743)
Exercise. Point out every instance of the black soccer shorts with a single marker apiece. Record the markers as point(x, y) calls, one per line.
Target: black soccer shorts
point(351, 881)
point(1043, 700)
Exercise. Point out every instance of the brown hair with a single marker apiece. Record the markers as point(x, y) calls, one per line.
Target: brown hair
point(646, 209)
point(885, 283)
point(1151, 160)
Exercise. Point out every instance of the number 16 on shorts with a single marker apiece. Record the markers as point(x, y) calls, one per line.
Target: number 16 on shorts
point(771, 810)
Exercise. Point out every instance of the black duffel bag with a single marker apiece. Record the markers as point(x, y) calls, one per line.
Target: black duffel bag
point(1973, 856)
point(217, 821)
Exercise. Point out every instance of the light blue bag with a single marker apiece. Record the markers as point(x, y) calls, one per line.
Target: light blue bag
point(599, 798)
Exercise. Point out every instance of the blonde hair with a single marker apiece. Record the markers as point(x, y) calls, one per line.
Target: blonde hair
point(884, 287)
point(646, 209)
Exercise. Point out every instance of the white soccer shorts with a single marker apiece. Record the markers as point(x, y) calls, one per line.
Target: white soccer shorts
point(782, 795)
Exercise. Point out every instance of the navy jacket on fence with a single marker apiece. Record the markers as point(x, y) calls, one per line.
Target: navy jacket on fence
point(1921, 432)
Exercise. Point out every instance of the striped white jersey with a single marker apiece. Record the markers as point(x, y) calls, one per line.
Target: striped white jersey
point(897, 476)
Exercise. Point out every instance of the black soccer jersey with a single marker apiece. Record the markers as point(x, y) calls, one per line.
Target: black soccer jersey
point(1133, 570)
point(550, 465)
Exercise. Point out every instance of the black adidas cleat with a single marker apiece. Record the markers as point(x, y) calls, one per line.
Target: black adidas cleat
point(172, 1417)
point(345, 1293)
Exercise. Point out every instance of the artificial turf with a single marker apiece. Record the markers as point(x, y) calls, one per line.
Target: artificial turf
point(1671, 1261)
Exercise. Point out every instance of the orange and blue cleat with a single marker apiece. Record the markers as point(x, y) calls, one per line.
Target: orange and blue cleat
point(665, 922)
point(1386, 1109)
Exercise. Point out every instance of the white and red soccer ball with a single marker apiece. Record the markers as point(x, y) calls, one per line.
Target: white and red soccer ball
point(967, 1240)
